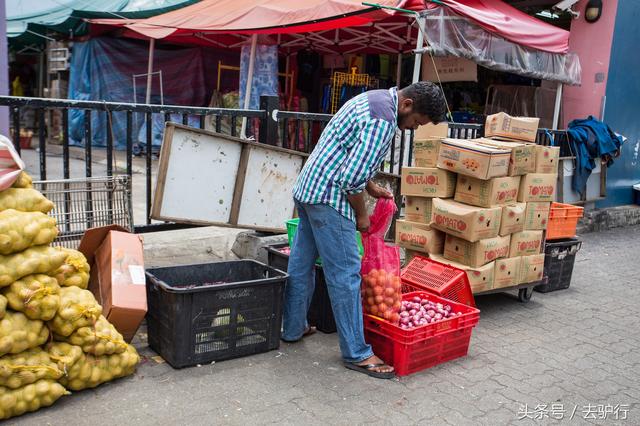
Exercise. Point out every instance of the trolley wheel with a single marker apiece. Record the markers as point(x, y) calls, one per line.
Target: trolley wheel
point(136, 150)
point(524, 294)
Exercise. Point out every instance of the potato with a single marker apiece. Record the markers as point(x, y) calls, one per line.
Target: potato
point(18, 333)
point(14, 402)
point(24, 200)
point(78, 308)
point(27, 367)
point(3, 306)
point(74, 271)
point(37, 296)
point(34, 260)
point(100, 339)
point(88, 371)
point(21, 230)
point(24, 181)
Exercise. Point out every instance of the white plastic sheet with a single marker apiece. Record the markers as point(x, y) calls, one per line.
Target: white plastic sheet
point(451, 34)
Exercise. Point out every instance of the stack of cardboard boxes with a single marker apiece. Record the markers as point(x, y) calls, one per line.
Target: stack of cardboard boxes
point(490, 197)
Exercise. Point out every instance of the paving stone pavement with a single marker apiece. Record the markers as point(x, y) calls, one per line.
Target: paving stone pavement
point(572, 350)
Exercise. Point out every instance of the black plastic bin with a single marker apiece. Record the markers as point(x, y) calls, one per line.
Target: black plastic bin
point(560, 255)
point(320, 312)
point(214, 311)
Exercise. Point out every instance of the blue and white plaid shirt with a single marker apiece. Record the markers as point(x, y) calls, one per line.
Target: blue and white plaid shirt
point(350, 150)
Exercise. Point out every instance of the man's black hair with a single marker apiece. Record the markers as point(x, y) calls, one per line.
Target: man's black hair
point(428, 100)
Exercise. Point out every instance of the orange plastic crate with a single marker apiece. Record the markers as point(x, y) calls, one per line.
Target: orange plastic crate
point(563, 221)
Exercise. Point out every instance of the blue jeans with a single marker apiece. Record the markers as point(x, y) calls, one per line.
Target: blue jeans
point(325, 232)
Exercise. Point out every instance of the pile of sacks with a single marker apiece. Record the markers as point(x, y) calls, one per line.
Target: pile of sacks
point(53, 337)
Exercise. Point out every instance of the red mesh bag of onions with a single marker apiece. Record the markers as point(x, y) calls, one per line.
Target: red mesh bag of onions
point(381, 285)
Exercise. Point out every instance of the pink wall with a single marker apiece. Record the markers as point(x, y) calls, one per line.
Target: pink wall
point(592, 43)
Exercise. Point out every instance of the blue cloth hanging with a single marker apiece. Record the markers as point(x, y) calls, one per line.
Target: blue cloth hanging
point(591, 139)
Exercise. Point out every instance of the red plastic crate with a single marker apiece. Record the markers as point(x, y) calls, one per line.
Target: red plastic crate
point(435, 277)
point(410, 351)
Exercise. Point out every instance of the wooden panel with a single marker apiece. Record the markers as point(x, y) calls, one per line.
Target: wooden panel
point(267, 189)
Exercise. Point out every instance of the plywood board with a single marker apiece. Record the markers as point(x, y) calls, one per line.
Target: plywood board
point(268, 183)
point(208, 178)
point(198, 176)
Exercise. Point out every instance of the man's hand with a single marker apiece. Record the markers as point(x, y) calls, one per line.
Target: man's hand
point(376, 191)
point(362, 223)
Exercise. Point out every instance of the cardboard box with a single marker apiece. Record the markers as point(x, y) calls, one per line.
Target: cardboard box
point(410, 254)
point(537, 187)
point(117, 276)
point(513, 218)
point(536, 216)
point(419, 237)
point(417, 209)
point(512, 128)
point(547, 159)
point(480, 278)
point(476, 254)
point(531, 268)
point(507, 272)
point(487, 193)
point(473, 159)
point(432, 131)
point(523, 156)
point(467, 222)
point(425, 152)
point(427, 182)
point(525, 243)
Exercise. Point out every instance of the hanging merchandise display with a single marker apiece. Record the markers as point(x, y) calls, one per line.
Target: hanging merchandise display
point(265, 73)
point(345, 86)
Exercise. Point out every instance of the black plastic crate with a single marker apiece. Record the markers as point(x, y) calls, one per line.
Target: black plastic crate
point(214, 311)
point(559, 258)
point(320, 312)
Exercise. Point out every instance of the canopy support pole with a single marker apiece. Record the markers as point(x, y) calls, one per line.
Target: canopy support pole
point(419, 45)
point(399, 70)
point(152, 45)
point(247, 91)
point(556, 109)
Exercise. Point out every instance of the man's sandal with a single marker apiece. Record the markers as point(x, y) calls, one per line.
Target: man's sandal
point(368, 369)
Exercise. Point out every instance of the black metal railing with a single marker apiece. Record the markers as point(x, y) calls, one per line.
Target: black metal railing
point(294, 130)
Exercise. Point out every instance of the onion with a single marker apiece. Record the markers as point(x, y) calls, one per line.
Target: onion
point(416, 318)
point(412, 312)
point(439, 305)
point(458, 313)
point(424, 302)
point(404, 314)
point(409, 324)
point(405, 320)
point(431, 313)
point(447, 308)
point(416, 299)
point(438, 316)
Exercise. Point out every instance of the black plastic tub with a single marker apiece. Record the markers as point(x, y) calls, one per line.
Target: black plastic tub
point(559, 259)
point(214, 311)
point(320, 312)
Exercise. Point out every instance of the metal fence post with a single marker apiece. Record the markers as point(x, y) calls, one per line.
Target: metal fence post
point(269, 124)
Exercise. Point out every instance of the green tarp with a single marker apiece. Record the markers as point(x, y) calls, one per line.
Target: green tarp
point(29, 20)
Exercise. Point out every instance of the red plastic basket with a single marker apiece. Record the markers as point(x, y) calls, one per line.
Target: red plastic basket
point(563, 221)
point(435, 277)
point(410, 351)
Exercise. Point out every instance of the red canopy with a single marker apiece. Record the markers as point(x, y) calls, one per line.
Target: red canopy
point(209, 21)
point(510, 23)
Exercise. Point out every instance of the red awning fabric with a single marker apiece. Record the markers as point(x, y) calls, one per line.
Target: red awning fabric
point(210, 19)
point(249, 17)
point(508, 22)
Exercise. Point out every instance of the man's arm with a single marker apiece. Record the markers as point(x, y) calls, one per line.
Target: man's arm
point(360, 210)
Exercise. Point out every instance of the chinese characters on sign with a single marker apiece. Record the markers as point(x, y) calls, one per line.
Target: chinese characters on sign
point(449, 68)
point(558, 411)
